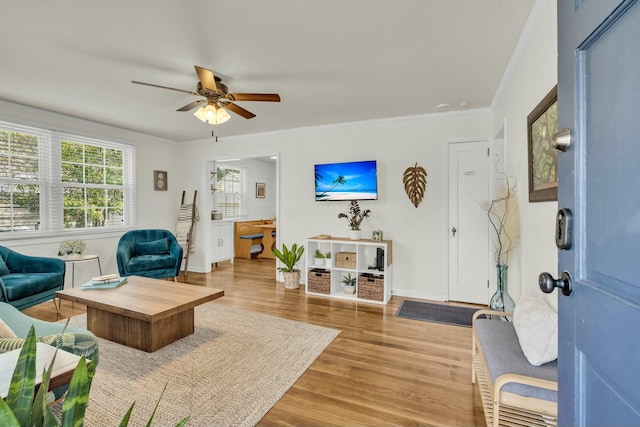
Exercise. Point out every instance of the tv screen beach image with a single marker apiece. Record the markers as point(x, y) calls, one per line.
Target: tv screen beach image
point(346, 181)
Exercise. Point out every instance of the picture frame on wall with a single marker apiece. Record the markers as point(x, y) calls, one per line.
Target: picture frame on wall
point(160, 181)
point(542, 124)
point(261, 190)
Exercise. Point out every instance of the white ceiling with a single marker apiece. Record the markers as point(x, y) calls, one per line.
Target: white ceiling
point(331, 61)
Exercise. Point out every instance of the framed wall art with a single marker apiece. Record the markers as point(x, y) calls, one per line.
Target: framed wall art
point(160, 182)
point(542, 124)
point(261, 189)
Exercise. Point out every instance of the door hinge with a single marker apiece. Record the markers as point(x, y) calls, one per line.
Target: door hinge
point(487, 152)
point(487, 283)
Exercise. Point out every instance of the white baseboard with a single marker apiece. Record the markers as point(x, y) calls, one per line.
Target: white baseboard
point(419, 295)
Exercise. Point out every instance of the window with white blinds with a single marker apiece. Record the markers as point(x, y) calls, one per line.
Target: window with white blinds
point(23, 178)
point(51, 182)
point(228, 193)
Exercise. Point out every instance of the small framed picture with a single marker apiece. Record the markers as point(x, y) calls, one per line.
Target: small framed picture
point(160, 182)
point(261, 189)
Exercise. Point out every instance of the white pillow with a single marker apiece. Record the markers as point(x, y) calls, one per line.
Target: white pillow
point(536, 324)
point(6, 331)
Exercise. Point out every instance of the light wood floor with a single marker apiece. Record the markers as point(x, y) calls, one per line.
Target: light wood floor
point(381, 370)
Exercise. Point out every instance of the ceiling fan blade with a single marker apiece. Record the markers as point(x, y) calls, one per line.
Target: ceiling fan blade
point(165, 87)
point(239, 110)
point(268, 97)
point(206, 78)
point(192, 105)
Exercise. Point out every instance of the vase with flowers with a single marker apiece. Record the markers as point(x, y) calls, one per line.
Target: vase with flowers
point(73, 248)
point(504, 218)
point(354, 218)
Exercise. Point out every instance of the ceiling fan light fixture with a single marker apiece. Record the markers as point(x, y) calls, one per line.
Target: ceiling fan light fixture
point(212, 114)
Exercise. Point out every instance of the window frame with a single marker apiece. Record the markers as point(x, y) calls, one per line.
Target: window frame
point(51, 187)
point(242, 189)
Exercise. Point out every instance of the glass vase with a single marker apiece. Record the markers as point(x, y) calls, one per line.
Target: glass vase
point(501, 300)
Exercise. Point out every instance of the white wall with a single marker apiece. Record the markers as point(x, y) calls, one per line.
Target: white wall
point(418, 234)
point(533, 76)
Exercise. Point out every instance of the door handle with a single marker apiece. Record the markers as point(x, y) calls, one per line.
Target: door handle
point(547, 283)
point(562, 140)
point(453, 231)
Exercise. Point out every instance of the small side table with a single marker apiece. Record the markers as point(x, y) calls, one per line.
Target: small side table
point(73, 259)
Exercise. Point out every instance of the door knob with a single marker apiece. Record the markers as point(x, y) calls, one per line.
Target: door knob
point(547, 283)
point(562, 140)
point(453, 231)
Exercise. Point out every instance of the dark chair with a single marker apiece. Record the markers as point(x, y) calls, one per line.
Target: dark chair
point(150, 253)
point(29, 280)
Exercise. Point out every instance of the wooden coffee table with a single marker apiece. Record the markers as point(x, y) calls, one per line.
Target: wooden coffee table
point(144, 313)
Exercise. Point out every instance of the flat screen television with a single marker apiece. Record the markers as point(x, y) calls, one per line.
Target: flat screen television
point(346, 181)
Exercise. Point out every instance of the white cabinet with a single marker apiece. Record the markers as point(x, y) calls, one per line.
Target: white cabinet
point(368, 261)
point(221, 240)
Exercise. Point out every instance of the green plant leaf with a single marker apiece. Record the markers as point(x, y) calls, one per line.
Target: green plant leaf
point(153, 414)
point(39, 407)
point(7, 418)
point(125, 420)
point(22, 387)
point(75, 403)
point(289, 257)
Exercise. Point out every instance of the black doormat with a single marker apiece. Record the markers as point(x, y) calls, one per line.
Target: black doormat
point(441, 313)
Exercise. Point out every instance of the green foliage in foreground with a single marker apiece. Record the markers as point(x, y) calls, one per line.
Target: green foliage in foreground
point(24, 407)
point(289, 257)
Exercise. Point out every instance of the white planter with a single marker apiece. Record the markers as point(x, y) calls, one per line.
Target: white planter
point(319, 261)
point(355, 234)
point(349, 290)
point(327, 262)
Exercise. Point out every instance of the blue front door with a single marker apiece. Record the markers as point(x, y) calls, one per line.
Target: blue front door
point(599, 181)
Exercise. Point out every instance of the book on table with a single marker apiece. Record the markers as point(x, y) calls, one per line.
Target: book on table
point(105, 282)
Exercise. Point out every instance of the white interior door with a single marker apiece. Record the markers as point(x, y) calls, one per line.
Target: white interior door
point(468, 224)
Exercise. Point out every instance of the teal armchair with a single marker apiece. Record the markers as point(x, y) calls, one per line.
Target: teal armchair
point(150, 253)
point(29, 280)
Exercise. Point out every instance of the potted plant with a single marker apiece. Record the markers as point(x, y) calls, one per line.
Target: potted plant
point(289, 257)
point(349, 284)
point(72, 248)
point(24, 406)
point(327, 259)
point(355, 217)
point(319, 258)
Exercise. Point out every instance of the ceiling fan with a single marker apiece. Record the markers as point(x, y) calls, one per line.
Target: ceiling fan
point(217, 98)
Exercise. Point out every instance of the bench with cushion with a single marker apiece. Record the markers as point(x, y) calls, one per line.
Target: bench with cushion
point(29, 280)
point(515, 364)
point(248, 239)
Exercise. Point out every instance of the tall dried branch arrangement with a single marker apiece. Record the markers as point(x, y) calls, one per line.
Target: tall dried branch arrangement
point(504, 217)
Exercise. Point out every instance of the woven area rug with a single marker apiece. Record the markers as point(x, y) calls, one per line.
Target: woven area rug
point(230, 372)
point(441, 313)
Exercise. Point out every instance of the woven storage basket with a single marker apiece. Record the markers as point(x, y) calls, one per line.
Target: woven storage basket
point(346, 260)
point(319, 281)
point(371, 287)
